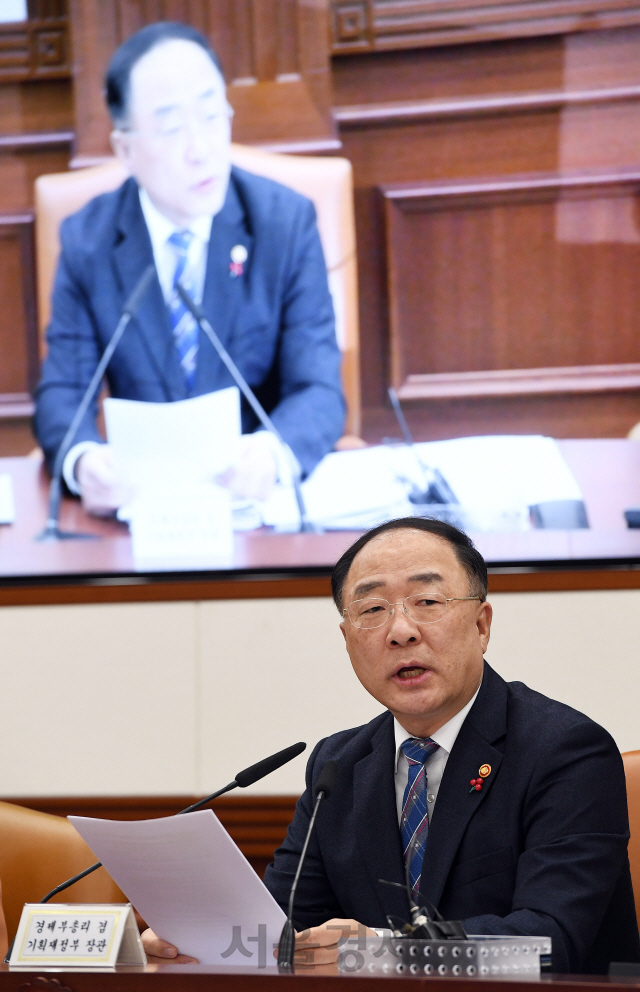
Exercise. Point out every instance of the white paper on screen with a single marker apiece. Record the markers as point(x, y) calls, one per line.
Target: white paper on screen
point(190, 882)
point(177, 444)
point(495, 479)
point(7, 502)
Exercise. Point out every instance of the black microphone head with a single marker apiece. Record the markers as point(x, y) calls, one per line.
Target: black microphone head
point(255, 772)
point(326, 779)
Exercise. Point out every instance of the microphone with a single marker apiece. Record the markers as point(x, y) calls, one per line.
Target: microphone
point(437, 489)
point(422, 926)
point(200, 317)
point(287, 944)
point(52, 530)
point(244, 778)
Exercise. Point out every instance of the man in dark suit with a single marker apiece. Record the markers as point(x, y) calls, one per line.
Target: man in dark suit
point(247, 247)
point(527, 831)
point(505, 809)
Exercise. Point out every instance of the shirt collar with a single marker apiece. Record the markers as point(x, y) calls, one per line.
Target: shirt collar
point(445, 736)
point(161, 228)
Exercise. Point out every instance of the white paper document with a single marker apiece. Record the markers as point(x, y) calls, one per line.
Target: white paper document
point(168, 456)
point(192, 885)
point(172, 445)
point(495, 480)
point(7, 502)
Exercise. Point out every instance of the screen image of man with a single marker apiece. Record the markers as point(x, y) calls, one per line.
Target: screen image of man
point(510, 807)
point(245, 247)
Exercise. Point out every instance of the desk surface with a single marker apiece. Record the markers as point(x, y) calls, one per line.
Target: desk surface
point(199, 978)
point(608, 472)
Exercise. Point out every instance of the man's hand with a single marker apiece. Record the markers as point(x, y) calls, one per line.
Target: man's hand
point(254, 472)
point(322, 945)
point(101, 488)
point(161, 952)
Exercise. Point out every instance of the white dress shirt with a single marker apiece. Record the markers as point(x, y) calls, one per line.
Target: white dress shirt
point(165, 258)
point(435, 765)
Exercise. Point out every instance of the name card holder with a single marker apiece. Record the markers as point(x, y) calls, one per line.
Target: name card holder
point(65, 936)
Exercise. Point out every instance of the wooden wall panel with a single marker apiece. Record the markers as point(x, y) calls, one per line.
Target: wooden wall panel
point(379, 25)
point(18, 331)
point(274, 54)
point(475, 313)
point(428, 117)
point(35, 138)
point(38, 48)
point(257, 824)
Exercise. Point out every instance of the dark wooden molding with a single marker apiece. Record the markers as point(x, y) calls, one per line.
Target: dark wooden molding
point(16, 405)
point(400, 112)
point(123, 590)
point(598, 181)
point(385, 25)
point(127, 589)
point(559, 580)
point(521, 382)
point(38, 140)
point(257, 824)
point(38, 48)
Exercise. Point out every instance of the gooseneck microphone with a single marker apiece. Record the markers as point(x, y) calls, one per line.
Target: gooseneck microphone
point(437, 489)
point(52, 530)
point(244, 778)
point(200, 317)
point(287, 944)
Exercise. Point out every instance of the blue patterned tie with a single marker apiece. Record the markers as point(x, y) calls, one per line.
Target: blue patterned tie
point(414, 822)
point(185, 328)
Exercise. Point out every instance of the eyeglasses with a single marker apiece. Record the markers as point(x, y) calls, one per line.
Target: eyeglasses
point(422, 607)
point(174, 127)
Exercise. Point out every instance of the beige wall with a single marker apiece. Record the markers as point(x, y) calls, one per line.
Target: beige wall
point(178, 697)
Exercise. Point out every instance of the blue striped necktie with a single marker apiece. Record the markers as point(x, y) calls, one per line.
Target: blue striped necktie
point(185, 328)
point(414, 822)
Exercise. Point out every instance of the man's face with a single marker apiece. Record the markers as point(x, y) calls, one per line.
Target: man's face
point(177, 139)
point(423, 673)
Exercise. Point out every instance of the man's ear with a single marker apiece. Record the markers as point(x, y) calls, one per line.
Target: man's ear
point(344, 633)
point(120, 143)
point(483, 623)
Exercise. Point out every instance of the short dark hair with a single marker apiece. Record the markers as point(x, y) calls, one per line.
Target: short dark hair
point(118, 77)
point(463, 547)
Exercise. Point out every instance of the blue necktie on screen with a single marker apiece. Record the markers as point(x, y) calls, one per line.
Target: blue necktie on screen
point(414, 822)
point(185, 328)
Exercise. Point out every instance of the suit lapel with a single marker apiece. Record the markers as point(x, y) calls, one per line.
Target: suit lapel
point(377, 822)
point(223, 292)
point(456, 805)
point(130, 255)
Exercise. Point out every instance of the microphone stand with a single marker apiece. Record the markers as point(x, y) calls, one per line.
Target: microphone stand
point(438, 489)
point(287, 944)
point(200, 317)
point(52, 530)
point(244, 778)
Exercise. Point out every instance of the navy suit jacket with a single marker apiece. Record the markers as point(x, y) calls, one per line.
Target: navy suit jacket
point(276, 319)
point(541, 850)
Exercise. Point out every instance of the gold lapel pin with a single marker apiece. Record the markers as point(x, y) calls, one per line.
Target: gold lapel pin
point(476, 783)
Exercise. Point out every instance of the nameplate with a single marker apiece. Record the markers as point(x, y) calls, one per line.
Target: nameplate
point(183, 526)
point(77, 936)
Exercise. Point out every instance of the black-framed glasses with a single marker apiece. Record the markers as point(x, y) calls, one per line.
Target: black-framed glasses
point(422, 607)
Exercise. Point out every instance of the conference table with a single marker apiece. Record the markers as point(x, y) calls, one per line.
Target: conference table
point(201, 978)
point(607, 470)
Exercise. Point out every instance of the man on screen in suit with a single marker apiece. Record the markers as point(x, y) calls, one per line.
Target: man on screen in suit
point(509, 807)
point(245, 246)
